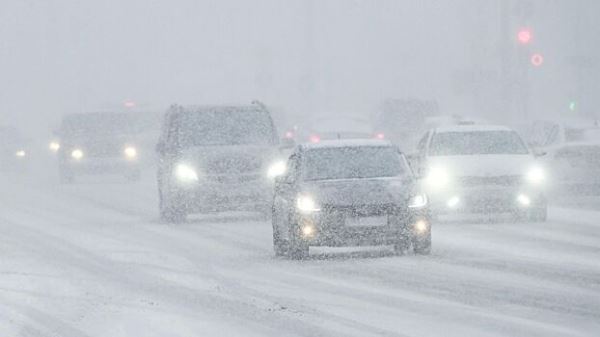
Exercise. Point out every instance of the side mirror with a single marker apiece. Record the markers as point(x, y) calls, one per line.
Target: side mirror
point(539, 153)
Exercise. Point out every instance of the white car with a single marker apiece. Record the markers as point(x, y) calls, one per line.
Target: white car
point(481, 169)
point(572, 148)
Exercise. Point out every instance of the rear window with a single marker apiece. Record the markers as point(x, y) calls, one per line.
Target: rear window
point(226, 127)
point(353, 162)
point(476, 143)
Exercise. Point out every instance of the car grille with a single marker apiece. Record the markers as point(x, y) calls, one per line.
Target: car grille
point(491, 181)
point(361, 210)
point(233, 165)
point(104, 151)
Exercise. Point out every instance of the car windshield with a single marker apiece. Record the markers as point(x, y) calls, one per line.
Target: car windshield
point(477, 143)
point(353, 162)
point(96, 125)
point(226, 127)
point(582, 135)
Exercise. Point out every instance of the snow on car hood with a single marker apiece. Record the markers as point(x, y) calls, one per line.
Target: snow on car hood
point(352, 192)
point(231, 159)
point(483, 165)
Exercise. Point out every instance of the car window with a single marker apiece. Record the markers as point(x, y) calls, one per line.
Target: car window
point(353, 162)
point(225, 127)
point(476, 142)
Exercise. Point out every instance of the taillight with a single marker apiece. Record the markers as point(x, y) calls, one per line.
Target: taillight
point(380, 135)
point(314, 138)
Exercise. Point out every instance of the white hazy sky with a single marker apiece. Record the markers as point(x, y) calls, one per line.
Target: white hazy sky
point(59, 56)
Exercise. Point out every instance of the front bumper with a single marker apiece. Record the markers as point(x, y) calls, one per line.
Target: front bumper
point(226, 193)
point(91, 165)
point(486, 199)
point(333, 230)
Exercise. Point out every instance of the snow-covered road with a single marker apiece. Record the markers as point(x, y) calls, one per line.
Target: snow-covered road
point(91, 259)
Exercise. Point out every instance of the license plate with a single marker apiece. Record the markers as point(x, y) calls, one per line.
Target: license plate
point(369, 221)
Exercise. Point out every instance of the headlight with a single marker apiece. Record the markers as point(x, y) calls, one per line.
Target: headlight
point(185, 173)
point(536, 175)
point(437, 178)
point(54, 146)
point(276, 169)
point(77, 154)
point(130, 152)
point(20, 153)
point(306, 204)
point(418, 201)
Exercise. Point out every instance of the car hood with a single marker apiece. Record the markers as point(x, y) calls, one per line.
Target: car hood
point(353, 192)
point(483, 165)
point(231, 159)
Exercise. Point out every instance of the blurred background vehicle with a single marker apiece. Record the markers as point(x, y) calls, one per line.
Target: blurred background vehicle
point(14, 150)
point(572, 150)
point(402, 121)
point(97, 143)
point(481, 169)
point(216, 158)
point(343, 127)
point(345, 193)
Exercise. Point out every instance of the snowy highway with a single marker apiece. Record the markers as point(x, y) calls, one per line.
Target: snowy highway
point(91, 259)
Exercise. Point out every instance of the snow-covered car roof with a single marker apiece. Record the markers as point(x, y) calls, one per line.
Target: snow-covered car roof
point(346, 143)
point(471, 128)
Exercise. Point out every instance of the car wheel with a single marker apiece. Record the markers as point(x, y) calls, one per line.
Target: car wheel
point(298, 250)
point(401, 245)
point(422, 246)
point(279, 244)
point(66, 177)
point(133, 176)
point(169, 211)
point(539, 214)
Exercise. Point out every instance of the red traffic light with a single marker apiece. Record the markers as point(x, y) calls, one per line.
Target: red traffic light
point(537, 59)
point(524, 36)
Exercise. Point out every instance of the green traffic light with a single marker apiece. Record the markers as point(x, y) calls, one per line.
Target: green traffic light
point(572, 105)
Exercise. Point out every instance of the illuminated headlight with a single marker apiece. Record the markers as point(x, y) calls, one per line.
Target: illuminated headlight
point(418, 201)
point(77, 154)
point(306, 204)
point(421, 226)
point(54, 146)
point(523, 200)
point(20, 153)
point(130, 152)
point(185, 173)
point(536, 175)
point(276, 169)
point(437, 178)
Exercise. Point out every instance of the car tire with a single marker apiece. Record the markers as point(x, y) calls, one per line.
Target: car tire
point(169, 211)
point(401, 246)
point(279, 245)
point(422, 246)
point(298, 249)
point(539, 214)
point(133, 176)
point(66, 177)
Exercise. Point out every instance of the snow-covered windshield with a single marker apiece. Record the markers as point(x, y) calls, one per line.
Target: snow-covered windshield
point(96, 125)
point(226, 127)
point(476, 143)
point(353, 162)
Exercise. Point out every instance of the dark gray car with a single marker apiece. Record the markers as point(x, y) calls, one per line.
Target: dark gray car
point(217, 158)
point(348, 193)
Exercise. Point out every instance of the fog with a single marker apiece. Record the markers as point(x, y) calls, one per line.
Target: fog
point(339, 56)
point(299, 168)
